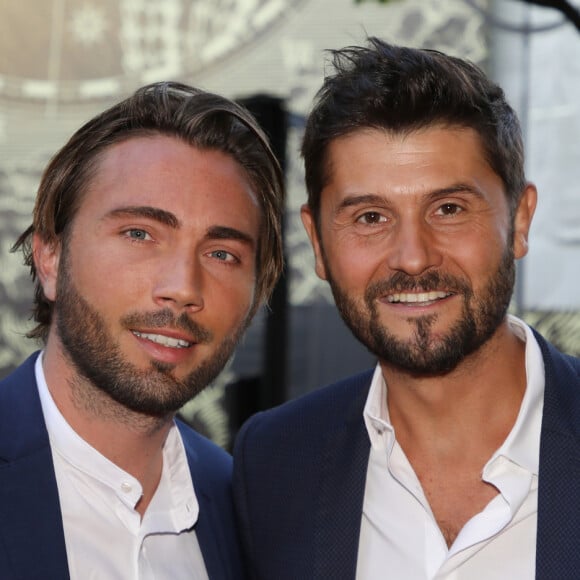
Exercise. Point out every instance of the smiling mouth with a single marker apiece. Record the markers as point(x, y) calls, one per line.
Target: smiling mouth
point(423, 298)
point(163, 340)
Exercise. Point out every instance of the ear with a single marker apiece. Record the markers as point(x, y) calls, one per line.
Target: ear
point(523, 220)
point(310, 227)
point(46, 257)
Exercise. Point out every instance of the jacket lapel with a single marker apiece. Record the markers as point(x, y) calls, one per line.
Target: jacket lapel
point(558, 547)
point(215, 528)
point(210, 535)
point(31, 531)
point(341, 493)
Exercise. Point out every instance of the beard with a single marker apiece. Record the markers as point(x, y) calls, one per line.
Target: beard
point(424, 353)
point(98, 358)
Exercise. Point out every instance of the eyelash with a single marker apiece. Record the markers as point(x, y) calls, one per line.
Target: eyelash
point(374, 218)
point(231, 259)
point(449, 206)
point(131, 231)
point(379, 218)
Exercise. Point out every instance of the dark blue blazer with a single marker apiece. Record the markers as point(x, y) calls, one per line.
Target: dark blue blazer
point(300, 470)
point(31, 532)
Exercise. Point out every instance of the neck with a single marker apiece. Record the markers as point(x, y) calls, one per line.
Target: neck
point(475, 405)
point(131, 440)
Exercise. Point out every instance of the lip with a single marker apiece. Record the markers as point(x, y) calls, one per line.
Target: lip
point(420, 301)
point(417, 297)
point(171, 335)
point(177, 348)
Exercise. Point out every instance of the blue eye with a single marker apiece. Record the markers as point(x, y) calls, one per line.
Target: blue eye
point(137, 234)
point(223, 255)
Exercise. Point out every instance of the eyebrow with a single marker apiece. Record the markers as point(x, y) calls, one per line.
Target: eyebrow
point(167, 218)
point(227, 233)
point(374, 199)
point(359, 199)
point(146, 211)
point(457, 188)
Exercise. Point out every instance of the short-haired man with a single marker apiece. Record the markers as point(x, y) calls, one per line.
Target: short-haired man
point(155, 237)
point(457, 457)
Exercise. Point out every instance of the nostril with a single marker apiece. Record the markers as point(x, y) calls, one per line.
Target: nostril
point(180, 303)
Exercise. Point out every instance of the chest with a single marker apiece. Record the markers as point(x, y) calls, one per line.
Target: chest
point(438, 531)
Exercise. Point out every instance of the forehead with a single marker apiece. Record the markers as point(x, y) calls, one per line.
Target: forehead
point(158, 153)
point(432, 157)
point(163, 171)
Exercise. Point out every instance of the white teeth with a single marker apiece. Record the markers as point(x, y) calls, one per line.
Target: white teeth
point(408, 297)
point(164, 340)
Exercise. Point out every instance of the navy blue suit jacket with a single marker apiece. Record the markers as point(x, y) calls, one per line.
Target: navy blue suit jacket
point(300, 470)
point(31, 530)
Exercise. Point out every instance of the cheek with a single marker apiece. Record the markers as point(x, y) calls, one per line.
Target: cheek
point(478, 258)
point(106, 284)
point(229, 300)
point(354, 265)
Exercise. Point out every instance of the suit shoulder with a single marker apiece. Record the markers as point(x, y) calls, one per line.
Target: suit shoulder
point(21, 374)
point(329, 404)
point(21, 419)
point(551, 354)
point(574, 362)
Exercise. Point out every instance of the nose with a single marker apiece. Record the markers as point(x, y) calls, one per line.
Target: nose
point(179, 283)
point(414, 249)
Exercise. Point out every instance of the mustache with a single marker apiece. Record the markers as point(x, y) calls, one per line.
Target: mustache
point(430, 281)
point(166, 319)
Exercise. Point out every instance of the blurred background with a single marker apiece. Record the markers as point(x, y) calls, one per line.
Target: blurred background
point(62, 61)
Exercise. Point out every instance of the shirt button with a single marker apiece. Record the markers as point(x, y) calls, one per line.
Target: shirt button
point(126, 487)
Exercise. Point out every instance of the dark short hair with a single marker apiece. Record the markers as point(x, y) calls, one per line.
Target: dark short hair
point(202, 119)
point(401, 89)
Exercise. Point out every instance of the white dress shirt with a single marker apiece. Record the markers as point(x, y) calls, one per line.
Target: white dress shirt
point(400, 538)
point(105, 537)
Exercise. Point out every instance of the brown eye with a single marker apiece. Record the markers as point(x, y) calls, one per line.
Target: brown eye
point(449, 209)
point(371, 217)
